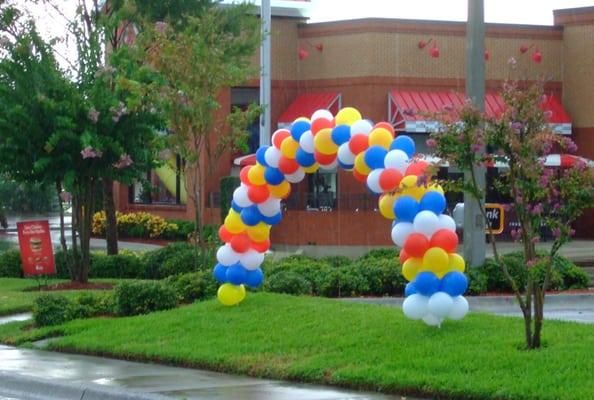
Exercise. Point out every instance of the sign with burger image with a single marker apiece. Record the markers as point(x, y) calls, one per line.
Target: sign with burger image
point(37, 255)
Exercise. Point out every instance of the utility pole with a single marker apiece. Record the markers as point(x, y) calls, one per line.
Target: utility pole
point(266, 17)
point(474, 224)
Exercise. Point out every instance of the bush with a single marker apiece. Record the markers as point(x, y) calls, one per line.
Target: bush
point(27, 197)
point(288, 282)
point(227, 185)
point(477, 281)
point(337, 261)
point(136, 224)
point(383, 275)
point(51, 309)
point(10, 264)
point(185, 229)
point(153, 260)
point(142, 297)
point(193, 286)
point(87, 305)
point(573, 276)
point(381, 253)
point(124, 265)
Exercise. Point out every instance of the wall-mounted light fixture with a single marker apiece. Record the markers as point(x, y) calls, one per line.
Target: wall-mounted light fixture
point(303, 54)
point(536, 56)
point(433, 50)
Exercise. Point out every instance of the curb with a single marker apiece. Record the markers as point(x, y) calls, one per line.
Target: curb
point(24, 387)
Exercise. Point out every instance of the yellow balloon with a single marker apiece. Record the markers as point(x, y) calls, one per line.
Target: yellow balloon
point(436, 260)
point(256, 174)
point(411, 268)
point(408, 186)
point(381, 137)
point(323, 142)
point(386, 205)
point(360, 165)
point(302, 119)
point(259, 232)
point(347, 116)
point(289, 147)
point(311, 169)
point(280, 191)
point(456, 263)
point(233, 222)
point(435, 187)
point(230, 295)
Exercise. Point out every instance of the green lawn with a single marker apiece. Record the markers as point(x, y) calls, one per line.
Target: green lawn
point(14, 300)
point(356, 345)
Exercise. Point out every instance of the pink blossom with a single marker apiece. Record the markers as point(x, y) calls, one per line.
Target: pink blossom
point(572, 232)
point(65, 196)
point(93, 115)
point(570, 145)
point(475, 147)
point(161, 26)
point(556, 232)
point(512, 61)
point(125, 161)
point(530, 263)
point(517, 126)
point(535, 239)
point(431, 143)
point(536, 210)
point(89, 152)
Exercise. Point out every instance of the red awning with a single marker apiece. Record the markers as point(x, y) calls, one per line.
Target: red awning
point(306, 104)
point(244, 161)
point(406, 109)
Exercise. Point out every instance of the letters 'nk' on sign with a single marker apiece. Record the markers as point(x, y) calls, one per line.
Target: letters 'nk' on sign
point(495, 217)
point(37, 255)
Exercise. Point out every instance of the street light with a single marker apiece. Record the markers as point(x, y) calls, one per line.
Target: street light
point(266, 17)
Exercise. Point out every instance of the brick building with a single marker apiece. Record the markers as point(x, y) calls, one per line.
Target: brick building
point(368, 64)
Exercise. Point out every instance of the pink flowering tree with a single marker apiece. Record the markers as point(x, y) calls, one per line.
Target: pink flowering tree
point(540, 196)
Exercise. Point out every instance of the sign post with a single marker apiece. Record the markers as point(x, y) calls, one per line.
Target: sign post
point(37, 254)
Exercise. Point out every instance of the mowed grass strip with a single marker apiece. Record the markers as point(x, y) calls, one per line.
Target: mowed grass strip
point(355, 345)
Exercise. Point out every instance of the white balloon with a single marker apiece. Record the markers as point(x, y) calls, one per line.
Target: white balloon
point(330, 166)
point(397, 159)
point(373, 180)
point(270, 207)
point(322, 114)
point(227, 256)
point(440, 304)
point(362, 126)
point(426, 222)
point(345, 155)
point(296, 176)
point(400, 232)
point(241, 198)
point(251, 259)
point(432, 320)
point(446, 222)
point(415, 306)
point(306, 141)
point(272, 156)
point(459, 308)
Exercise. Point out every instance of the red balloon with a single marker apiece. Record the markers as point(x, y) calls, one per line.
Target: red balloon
point(417, 168)
point(416, 244)
point(279, 136)
point(358, 143)
point(287, 165)
point(390, 179)
point(324, 159)
point(359, 176)
point(241, 243)
point(321, 123)
point(403, 256)
point(386, 126)
point(261, 247)
point(224, 234)
point(258, 193)
point(243, 175)
point(446, 239)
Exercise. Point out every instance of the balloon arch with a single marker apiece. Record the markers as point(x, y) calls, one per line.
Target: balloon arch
point(383, 161)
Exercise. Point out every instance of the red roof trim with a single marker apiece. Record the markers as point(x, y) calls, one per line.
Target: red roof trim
point(306, 104)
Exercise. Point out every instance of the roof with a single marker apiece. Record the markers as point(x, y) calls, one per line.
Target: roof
point(306, 104)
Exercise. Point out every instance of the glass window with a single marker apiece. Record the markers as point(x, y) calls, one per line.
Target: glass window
point(163, 185)
point(321, 195)
point(242, 97)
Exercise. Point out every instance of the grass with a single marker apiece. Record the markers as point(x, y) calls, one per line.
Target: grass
point(13, 298)
point(354, 345)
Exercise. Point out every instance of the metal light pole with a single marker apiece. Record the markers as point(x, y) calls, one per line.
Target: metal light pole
point(474, 224)
point(265, 15)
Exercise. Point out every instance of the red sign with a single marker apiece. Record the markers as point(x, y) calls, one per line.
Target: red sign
point(37, 254)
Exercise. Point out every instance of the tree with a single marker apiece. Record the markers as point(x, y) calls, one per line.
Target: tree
point(540, 196)
point(208, 54)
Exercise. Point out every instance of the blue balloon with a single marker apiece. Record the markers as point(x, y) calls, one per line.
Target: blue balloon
point(251, 215)
point(404, 143)
point(220, 273)
point(433, 201)
point(254, 278)
point(275, 219)
point(299, 128)
point(347, 167)
point(235, 207)
point(454, 283)
point(236, 274)
point(304, 158)
point(426, 283)
point(273, 176)
point(406, 208)
point(260, 155)
point(341, 134)
point(410, 289)
point(374, 157)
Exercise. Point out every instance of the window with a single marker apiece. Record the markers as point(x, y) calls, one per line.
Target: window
point(163, 185)
point(242, 97)
point(321, 195)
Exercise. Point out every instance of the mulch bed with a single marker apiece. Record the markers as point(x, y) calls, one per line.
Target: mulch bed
point(72, 286)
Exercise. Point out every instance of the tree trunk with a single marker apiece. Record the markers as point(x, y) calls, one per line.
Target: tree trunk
point(61, 210)
point(84, 216)
point(111, 228)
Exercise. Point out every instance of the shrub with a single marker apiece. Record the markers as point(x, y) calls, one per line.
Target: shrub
point(347, 281)
point(87, 305)
point(391, 253)
point(153, 260)
point(62, 271)
point(337, 261)
point(123, 265)
point(288, 282)
point(193, 286)
point(10, 264)
point(477, 281)
point(51, 309)
point(573, 276)
point(142, 297)
point(383, 275)
point(315, 271)
point(183, 232)
point(227, 185)
point(135, 224)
